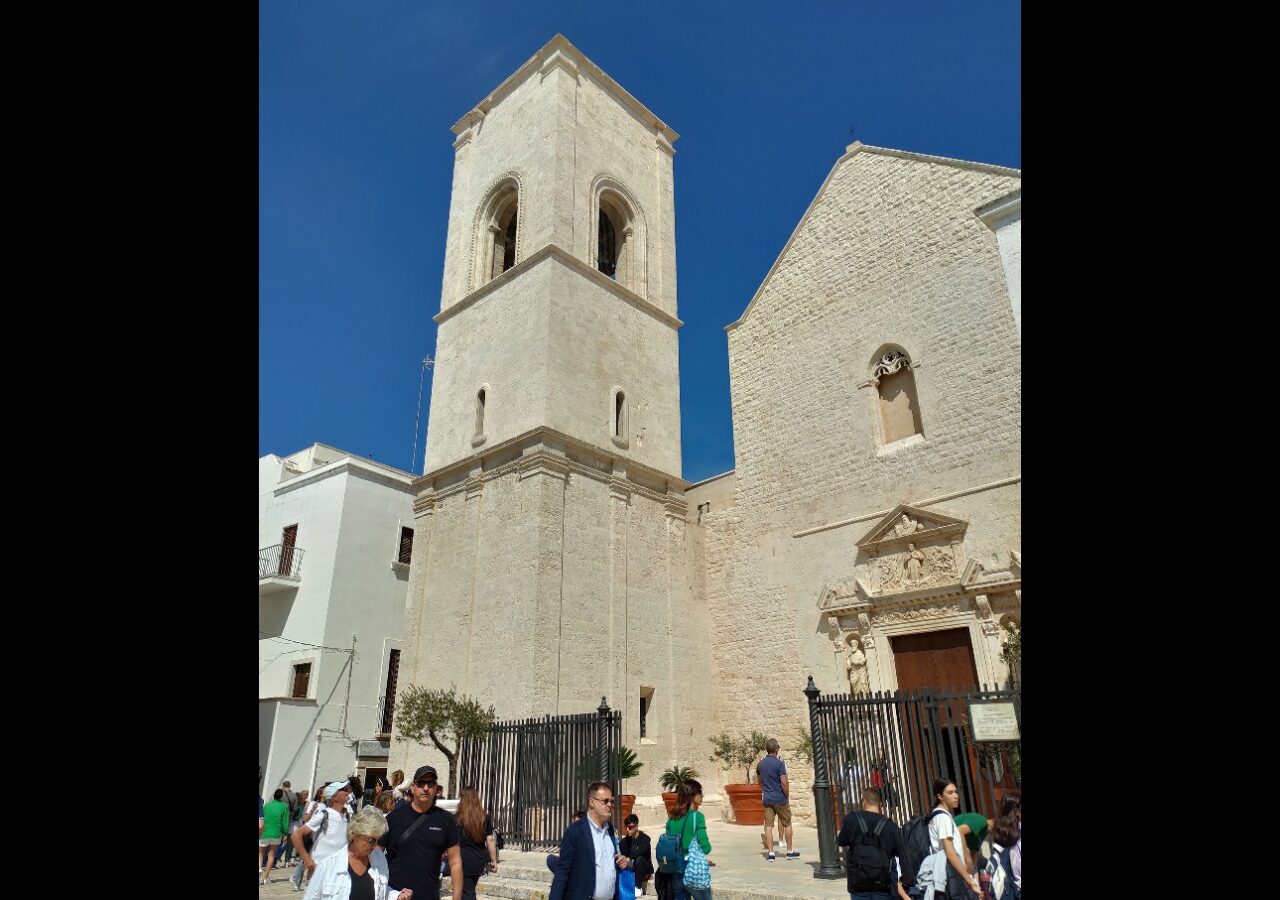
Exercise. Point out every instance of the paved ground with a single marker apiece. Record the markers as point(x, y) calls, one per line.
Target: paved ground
point(741, 871)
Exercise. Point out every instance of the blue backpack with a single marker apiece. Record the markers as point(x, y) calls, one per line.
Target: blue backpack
point(670, 851)
point(1000, 870)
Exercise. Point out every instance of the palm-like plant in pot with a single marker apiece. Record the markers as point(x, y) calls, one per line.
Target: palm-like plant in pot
point(671, 780)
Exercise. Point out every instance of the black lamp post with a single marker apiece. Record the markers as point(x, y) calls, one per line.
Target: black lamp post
point(828, 859)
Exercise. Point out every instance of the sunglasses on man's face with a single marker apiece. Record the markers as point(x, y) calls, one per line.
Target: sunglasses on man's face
point(425, 783)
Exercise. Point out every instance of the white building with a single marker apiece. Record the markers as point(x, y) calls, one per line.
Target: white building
point(334, 538)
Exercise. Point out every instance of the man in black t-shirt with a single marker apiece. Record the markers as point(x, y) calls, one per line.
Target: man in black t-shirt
point(871, 857)
point(418, 834)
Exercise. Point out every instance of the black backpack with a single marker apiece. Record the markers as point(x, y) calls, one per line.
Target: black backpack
point(915, 846)
point(869, 865)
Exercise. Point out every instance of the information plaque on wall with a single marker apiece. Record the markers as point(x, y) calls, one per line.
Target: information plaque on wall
point(994, 720)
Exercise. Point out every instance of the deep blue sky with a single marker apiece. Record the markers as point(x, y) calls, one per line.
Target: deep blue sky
point(356, 162)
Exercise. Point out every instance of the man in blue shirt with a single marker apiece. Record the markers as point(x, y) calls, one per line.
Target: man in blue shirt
point(775, 791)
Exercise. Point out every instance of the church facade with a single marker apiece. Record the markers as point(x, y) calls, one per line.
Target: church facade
point(873, 515)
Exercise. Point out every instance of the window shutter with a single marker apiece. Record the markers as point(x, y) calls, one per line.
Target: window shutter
point(406, 545)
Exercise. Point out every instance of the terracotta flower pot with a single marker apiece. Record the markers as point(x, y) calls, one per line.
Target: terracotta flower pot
point(628, 803)
point(669, 798)
point(748, 808)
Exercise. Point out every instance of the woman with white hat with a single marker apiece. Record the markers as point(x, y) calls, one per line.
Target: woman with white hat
point(329, 825)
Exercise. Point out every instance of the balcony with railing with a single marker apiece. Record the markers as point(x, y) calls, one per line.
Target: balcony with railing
point(279, 569)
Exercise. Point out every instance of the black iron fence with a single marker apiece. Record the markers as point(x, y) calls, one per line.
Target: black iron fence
point(900, 741)
point(533, 774)
point(281, 559)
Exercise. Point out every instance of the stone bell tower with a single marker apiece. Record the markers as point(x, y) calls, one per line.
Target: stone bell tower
point(548, 562)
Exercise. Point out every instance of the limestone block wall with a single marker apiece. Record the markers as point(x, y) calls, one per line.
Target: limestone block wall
point(598, 341)
point(499, 341)
point(890, 252)
point(559, 126)
point(550, 344)
point(551, 576)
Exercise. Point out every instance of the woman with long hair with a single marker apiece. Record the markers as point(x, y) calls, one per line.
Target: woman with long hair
point(691, 826)
point(945, 838)
point(1006, 840)
point(477, 845)
point(362, 870)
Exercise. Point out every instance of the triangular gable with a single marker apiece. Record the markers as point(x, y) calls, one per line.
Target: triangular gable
point(910, 524)
point(852, 150)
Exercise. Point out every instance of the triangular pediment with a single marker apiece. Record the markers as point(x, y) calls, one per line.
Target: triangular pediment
point(907, 524)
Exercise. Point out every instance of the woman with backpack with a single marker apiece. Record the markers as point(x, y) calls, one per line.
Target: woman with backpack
point(329, 827)
point(943, 873)
point(689, 826)
point(1005, 883)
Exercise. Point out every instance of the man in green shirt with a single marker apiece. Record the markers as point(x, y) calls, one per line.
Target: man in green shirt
point(974, 827)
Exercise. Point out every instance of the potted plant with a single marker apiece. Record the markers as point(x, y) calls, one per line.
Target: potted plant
point(748, 809)
point(628, 767)
point(671, 780)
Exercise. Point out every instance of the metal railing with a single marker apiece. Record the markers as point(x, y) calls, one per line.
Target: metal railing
point(388, 707)
point(900, 741)
point(280, 560)
point(533, 774)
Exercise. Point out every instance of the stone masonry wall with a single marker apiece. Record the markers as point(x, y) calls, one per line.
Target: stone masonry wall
point(890, 253)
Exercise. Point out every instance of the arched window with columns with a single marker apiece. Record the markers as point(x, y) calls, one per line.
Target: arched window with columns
point(497, 232)
point(619, 247)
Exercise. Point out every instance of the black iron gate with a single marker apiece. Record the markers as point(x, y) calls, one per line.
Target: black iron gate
point(532, 774)
point(900, 741)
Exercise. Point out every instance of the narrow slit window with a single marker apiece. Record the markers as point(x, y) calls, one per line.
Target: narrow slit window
point(646, 703)
point(619, 408)
point(480, 412)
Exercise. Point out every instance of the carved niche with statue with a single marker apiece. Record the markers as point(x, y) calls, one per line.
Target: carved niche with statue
point(911, 549)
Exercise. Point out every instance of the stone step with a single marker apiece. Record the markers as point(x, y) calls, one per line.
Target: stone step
point(527, 884)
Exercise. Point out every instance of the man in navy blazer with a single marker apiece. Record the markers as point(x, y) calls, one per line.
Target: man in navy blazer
point(589, 857)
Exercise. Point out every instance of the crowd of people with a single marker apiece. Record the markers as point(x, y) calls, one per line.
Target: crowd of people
point(395, 844)
point(935, 857)
point(399, 844)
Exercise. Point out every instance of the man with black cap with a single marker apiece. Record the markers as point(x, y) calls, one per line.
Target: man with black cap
point(418, 834)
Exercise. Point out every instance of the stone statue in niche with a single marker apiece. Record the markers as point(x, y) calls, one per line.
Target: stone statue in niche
point(914, 564)
point(906, 525)
point(855, 665)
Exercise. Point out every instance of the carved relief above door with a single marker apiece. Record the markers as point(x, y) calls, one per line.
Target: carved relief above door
point(911, 574)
